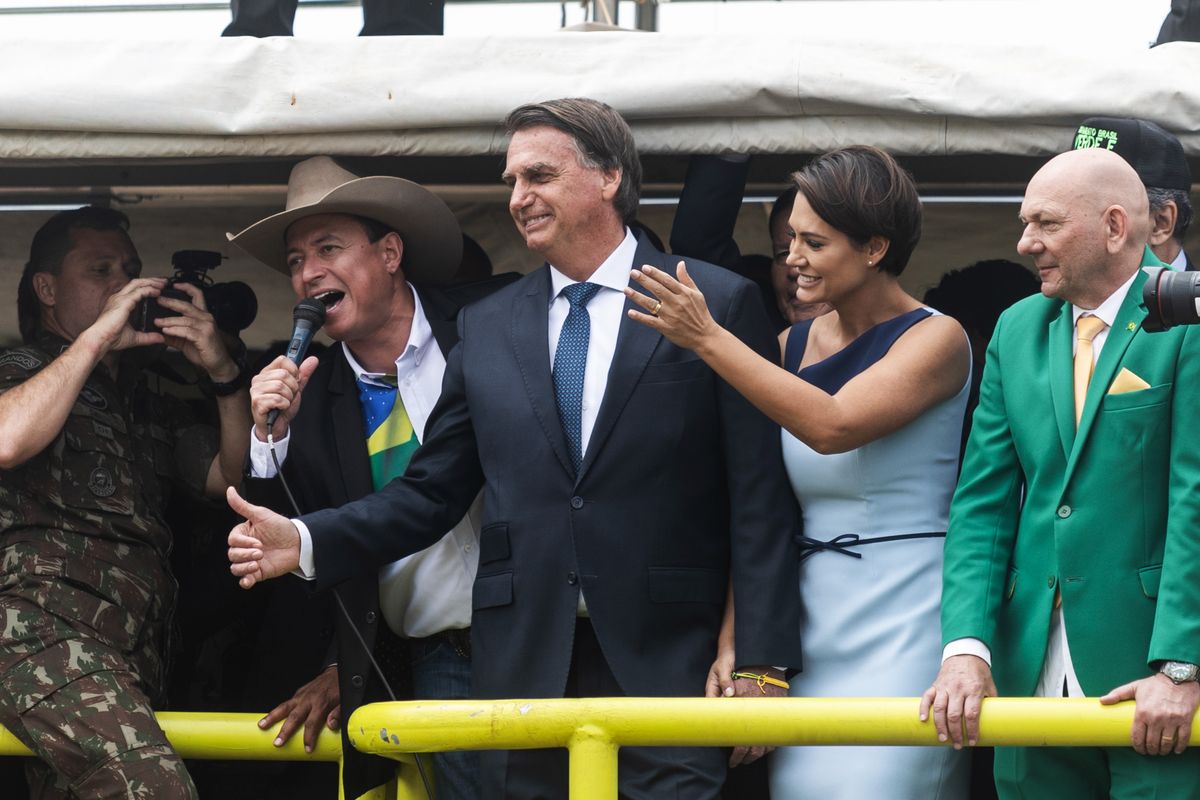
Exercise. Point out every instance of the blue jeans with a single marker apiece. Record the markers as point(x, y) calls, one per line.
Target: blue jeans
point(439, 672)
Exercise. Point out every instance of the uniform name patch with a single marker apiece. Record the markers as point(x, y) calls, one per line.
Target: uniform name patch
point(21, 359)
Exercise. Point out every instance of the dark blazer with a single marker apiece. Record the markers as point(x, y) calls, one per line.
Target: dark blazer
point(326, 467)
point(682, 486)
point(708, 210)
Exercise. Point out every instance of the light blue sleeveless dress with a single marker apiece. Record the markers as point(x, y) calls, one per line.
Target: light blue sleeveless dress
point(870, 623)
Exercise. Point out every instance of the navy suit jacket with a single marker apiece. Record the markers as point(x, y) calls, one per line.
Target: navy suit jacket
point(682, 486)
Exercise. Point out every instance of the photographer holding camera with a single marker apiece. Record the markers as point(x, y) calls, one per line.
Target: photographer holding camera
point(90, 454)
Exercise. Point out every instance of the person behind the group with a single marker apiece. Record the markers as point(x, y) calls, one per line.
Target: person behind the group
point(379, 252)
point(1072, 561)
point(1157, 156)
point(90, 454)
point(976, 296)
point(380, 18)
point(703, 228)
point(870, 398)
point(624, 483)
point(784, 275)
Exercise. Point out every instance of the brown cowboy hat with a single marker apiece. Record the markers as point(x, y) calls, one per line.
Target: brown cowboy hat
point(432, 238)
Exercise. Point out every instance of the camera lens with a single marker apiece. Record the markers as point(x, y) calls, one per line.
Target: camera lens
point(1171, 298)
point(233, 305)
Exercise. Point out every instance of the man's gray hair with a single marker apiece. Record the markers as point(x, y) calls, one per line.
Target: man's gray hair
point(602, 139)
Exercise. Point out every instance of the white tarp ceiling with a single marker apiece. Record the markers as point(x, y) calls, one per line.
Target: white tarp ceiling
point(435, 96)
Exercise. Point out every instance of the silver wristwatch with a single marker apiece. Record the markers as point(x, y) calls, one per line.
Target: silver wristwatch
point(1180, 671)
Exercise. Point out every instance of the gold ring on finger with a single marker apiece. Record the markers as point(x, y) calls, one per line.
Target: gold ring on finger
point(657, 305)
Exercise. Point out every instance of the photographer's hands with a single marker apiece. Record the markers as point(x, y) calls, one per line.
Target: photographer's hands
point(111, 331)
point(194, 333)
point(33, 413)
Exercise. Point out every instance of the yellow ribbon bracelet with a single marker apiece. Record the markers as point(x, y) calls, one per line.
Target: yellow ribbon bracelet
point(761, 680)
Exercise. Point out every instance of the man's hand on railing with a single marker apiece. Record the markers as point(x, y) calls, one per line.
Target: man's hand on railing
point(751, 687)
point(1162, 717)
point(956, 697)
point(314, 704)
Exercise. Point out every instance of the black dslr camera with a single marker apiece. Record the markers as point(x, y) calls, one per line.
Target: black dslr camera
point(1171, 298)
point(233, 304)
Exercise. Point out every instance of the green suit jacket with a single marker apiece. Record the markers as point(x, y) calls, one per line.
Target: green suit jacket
point(1110, 514)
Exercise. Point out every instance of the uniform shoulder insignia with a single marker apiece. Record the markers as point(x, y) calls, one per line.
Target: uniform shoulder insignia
point(93, 398)
point(20, 358)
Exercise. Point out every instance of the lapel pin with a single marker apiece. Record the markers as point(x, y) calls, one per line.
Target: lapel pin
point(1129, 326)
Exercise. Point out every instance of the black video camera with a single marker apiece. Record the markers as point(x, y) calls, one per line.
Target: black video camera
point(1171, 298)
point(233, 304)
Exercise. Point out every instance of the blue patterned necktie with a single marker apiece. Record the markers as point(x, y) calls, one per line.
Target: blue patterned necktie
point(570, 361)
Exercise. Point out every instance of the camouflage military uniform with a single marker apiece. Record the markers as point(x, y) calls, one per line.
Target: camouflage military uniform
point(86, 596)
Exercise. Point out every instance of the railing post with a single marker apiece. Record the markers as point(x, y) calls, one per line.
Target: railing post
point(408, 783)
point(593, 764)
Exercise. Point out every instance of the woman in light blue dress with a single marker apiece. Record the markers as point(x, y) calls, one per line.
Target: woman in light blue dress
point(870, 398)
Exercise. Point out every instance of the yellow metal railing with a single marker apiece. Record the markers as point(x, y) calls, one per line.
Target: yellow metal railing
point(236, 737)
point(592, 730)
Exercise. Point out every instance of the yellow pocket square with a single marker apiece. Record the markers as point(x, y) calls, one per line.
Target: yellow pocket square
point(1127, 381)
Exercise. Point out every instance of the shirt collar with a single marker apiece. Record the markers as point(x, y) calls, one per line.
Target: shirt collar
point(613, 273)
point(419, 337)
point(1106, 311)
point(1180, 262)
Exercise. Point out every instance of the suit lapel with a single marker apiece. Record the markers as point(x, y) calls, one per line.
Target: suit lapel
point(442, 319)
point(1059, 370)
point(530, 321)
point(635, 345)
point(1125, 327)
point(352, 463)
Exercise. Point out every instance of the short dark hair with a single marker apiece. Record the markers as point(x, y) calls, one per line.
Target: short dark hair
point(373, 228)
point(862, 192)
point(1183, 204)
point(782, 207)
point(978, 294)
point(51, 244)
point(602, 138)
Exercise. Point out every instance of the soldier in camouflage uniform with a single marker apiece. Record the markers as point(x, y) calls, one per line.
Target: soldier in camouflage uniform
point(89, 455)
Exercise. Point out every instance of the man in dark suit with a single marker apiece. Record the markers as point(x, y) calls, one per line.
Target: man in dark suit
point(625, 487)
point(356, 243)
point(1157, 157)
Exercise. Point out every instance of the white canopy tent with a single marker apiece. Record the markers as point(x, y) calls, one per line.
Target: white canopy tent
point(434, 96)
point(195, 138)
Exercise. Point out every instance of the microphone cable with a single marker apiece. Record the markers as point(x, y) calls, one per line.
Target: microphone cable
point(346, 615)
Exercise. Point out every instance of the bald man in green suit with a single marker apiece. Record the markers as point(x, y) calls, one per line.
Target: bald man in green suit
point(1072, 561)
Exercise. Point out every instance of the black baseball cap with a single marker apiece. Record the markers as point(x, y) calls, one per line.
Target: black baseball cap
point(1154, 152)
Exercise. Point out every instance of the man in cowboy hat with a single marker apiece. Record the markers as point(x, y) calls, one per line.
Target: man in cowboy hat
point(377, 252)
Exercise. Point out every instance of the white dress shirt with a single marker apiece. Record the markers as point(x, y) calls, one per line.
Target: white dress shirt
point(1058, 672)
point(605, 310)
point(430, 591)
point(1180, 262)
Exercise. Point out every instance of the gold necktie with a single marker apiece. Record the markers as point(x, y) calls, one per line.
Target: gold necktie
point(1086, 329)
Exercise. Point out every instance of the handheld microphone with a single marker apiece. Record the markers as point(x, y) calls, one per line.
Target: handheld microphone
point(308, 316)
